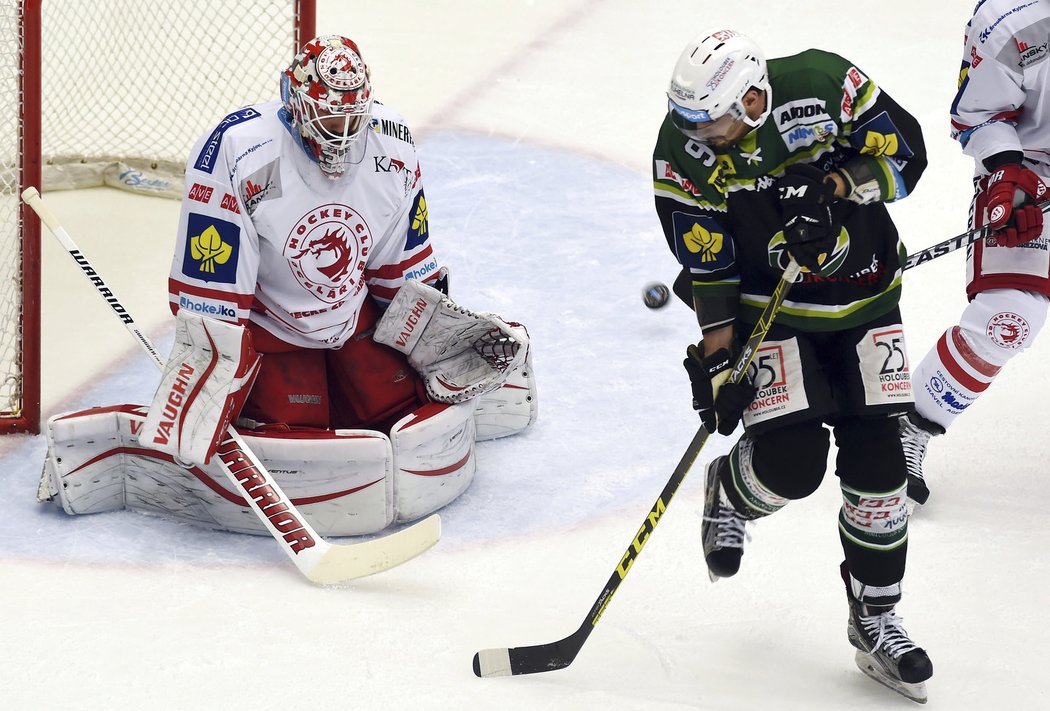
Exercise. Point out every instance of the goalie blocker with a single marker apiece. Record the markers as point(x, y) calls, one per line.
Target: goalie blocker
point(345, 482)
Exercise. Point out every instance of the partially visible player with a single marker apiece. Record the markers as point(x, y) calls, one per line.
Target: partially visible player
point(757, 164)
point(1001, 117)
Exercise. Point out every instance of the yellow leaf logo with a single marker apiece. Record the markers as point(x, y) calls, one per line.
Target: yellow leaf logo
point(209, 249)
point(419, 220)
point(879, 144)
point(703, 242)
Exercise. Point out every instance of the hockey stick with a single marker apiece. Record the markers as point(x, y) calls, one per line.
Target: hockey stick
point(322, 562)
point(560, 654)
point(953, 243)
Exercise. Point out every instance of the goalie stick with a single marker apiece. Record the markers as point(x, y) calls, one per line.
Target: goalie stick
point(953, 243)
point(560, 654)
point(321, 562)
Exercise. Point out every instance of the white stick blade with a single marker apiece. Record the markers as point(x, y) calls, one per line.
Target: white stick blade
point(492, 662)
point(343, 563)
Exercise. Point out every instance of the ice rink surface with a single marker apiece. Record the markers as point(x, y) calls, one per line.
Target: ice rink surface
point(535, 122)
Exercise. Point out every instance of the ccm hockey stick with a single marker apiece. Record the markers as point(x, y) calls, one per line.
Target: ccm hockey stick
point(560, 654)
point(321, 562)
point(953, 243)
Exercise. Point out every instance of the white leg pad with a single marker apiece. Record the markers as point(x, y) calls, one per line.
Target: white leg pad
point(511, 408)
point(342, 481)
point(434, 457)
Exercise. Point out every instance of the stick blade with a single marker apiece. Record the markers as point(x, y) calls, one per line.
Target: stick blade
point(343, 563)
point(492, 662)
point(527, 660)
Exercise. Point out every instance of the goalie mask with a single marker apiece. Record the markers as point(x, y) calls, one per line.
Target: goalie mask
point(712, 75)
point(329, 96)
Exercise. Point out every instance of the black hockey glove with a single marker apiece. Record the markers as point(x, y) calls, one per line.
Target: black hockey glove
point(720, 403)
point(810, 228)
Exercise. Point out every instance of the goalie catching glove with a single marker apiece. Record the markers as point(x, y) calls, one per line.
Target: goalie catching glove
point(206, 380)
point(460, 354)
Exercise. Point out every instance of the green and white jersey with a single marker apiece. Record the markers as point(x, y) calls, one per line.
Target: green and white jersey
point(721, 214)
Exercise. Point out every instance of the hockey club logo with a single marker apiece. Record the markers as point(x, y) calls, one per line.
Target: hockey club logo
point(327, 249)
point(341, 68)
point(829, 264)
point(211, 249)
point(263, 184)
point(1008, 330)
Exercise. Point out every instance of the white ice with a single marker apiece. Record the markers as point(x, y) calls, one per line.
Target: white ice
point(535, 120)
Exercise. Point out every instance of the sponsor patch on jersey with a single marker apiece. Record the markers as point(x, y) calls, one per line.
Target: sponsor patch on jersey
point(701, 243)
point(210, 151)
point(263, 184)
point(884, 366)
point(418, 224)
point(212, 247)
point(327, 249)
point(879, 137)
point(212, 308)
point(806, 135)
point(393, 128)
point(802, 112)
point(200, 193)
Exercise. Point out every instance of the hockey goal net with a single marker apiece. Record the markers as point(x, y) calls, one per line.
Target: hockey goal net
point(113, 92)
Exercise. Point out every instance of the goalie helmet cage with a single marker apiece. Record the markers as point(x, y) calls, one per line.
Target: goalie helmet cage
point(113, 92)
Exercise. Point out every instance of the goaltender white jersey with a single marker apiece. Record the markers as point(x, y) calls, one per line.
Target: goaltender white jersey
point(265, 237)
point(1002, 102)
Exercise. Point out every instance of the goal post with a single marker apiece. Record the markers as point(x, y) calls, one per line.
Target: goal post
point(114, 93)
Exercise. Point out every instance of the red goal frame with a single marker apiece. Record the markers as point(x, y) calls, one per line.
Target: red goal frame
point(27, 418)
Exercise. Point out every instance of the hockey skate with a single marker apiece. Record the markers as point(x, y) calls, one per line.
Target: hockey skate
point(885, 652)
point(915, 433)
point(722, 528)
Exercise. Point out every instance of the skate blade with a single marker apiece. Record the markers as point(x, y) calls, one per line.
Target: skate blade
point(714, 578)
point(915, 692)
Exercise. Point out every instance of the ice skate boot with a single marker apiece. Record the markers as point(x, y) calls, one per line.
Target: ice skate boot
point(885, 652)
point(722, 528)
point(915, 432)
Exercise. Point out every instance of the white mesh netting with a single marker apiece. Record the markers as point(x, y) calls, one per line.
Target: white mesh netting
point(127, 86)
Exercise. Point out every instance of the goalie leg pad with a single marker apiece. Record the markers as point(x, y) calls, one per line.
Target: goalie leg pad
point(434, 457)
point(204, 384)
point(342, 482)
point(459, 353)
point(510, 408)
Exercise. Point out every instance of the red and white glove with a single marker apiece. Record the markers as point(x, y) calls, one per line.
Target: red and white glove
point(1008, 205)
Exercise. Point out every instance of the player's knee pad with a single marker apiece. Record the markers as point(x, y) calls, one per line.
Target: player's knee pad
point(790, 461)
point(870, 456)
point(1002, 323)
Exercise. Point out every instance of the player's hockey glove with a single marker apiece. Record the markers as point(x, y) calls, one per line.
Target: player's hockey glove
point(1009, 201)
point(810, 227)
point(720, 403)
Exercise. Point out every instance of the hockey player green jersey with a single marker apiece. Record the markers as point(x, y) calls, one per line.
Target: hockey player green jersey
point(721, 214)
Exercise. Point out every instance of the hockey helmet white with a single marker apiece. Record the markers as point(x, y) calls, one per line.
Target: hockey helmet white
point(714, 72)
point(329, 96)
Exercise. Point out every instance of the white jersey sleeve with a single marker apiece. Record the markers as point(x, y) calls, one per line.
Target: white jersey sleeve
point(1000, 103)
point(215, 265)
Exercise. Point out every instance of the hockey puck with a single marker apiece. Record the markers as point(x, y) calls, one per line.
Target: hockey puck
point(655, 295)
